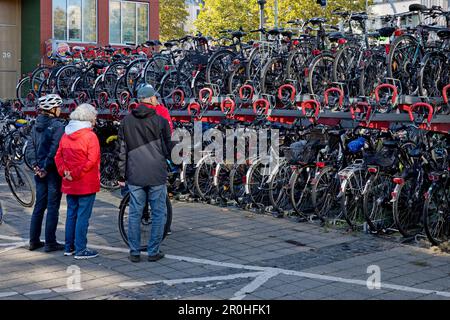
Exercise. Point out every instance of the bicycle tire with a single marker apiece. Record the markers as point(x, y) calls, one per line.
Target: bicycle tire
point(122, 215)
point(443, 215)
point(21, 174)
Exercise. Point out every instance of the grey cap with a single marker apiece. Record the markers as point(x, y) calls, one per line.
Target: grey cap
point(146, 91)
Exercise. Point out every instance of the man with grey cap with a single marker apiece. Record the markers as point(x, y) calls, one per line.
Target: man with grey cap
point(145, 144)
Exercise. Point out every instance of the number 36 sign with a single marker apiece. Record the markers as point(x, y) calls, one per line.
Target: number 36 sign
point(6, 55)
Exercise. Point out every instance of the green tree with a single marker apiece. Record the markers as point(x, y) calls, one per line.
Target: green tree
point(172, 16)
point(218, 15)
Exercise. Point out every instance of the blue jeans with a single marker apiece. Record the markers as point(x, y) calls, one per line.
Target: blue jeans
point(156, 196)
point(79, 210)
point(48, 197)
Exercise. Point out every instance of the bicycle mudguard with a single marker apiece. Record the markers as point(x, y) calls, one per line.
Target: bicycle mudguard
point(287, 93)
point(195, 106)
point(361, 111)
point(103, 99)
point(445, 93)
point(326, 96)
point(206, 95)
point(310, 109)
point(418, 106)
point(246, 93)
point(124, 98)
point(17, 106)
point(114, 109)
point(261, 107)
point(387, 86)
point(178, 98)
point(132, 106)
point(227, 106)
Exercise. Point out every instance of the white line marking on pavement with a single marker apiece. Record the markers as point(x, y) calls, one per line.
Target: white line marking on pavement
point(10, 244)
point(8, 294)
point(20, 244)
point(263, 270)
point(65, 290)
point(192, 280)
point(255, 284)
point(37, 292)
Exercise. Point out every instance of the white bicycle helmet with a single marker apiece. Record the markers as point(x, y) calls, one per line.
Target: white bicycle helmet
point(50, 101)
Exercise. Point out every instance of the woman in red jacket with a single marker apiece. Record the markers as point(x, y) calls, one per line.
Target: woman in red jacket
point(78, 162)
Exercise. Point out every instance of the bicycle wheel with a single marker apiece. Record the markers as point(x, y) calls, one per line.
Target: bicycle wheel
point(300, 190)
point(352, 199)
point(436, 215)
point(258, 184)
point(372, 74)
point(146, 221)
point(320, 73)
point(273, 76)
point(218, 69)
point(238, 179)
point(188, 174)
point(407, 210)
point(279, 189)
point(403, 62)
point(20, 184)
point(24, 92)
point(109, 171)
point(223, 183)
point(237, 79)
point(376, 203)
point(324, 191)
point(204, 175)
point(38, 76)
point(346, 68)
point(434, 74)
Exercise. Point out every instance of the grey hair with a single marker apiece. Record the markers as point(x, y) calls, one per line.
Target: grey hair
point(84, 112)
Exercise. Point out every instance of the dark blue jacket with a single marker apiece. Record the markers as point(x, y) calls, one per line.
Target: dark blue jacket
point(44, 141)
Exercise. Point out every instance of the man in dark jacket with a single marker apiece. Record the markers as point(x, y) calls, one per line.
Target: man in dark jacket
point(41, 151)
point(145, 144)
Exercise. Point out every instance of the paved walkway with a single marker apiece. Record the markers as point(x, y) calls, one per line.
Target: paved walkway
point(217, 253)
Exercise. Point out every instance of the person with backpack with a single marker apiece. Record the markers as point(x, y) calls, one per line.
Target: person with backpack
point(41, 150)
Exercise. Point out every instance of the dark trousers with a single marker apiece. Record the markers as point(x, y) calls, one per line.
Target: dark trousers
point(48, 197)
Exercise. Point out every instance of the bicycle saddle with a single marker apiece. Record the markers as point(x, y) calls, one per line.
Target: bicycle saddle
point(360, 17)
point(417, 7)
point(287, 33)
point(336, 133)
point(275, 32)
point(317, 20)
point(170, 44)
point(335, 36)
point(78, 48)
point(109, 50)
point(389, 144)
point(386, 31)
point(444, 34)
point(238, 34)
point(415, 153)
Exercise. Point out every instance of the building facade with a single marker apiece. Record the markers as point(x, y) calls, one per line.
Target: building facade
point(28, 26)
point(193, 7)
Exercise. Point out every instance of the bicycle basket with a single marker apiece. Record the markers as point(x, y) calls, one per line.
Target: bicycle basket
point(302, 151)
point(383, 158)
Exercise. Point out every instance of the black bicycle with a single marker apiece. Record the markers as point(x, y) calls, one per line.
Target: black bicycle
point(146, 221)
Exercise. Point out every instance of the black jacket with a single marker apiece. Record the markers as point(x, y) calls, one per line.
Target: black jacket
point(145, 144)
point(44, 141)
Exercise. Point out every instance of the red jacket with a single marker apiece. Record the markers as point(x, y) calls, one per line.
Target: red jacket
point(79, 153)
point(163, 112)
